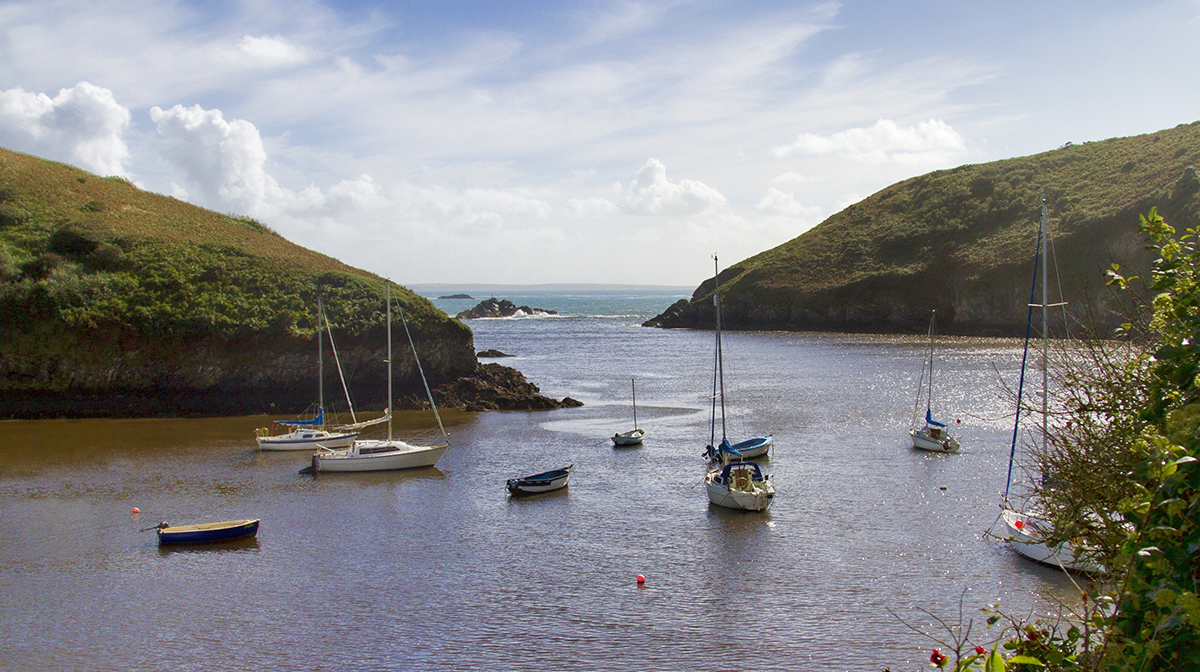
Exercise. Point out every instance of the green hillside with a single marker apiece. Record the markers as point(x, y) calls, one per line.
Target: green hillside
point(117, 301)
point(962, 241)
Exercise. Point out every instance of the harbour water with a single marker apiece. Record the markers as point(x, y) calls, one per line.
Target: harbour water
point(440, 569)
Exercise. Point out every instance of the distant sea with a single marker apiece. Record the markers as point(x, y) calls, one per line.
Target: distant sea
point(632, 302)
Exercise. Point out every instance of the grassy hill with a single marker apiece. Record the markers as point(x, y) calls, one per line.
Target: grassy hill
point(117, 301)
point(962, 241)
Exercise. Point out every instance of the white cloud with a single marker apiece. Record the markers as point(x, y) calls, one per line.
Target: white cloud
point(778, 202)
point(593, 206)
point(223, 161)
point(651, 193)
point(272, 51)
point(82, 125)
point(792, 179)
point(932, 141)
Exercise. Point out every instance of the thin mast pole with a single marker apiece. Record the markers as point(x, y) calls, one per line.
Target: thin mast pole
point(1045, 334)
point(420, 370)
point(320, 360)
point(929, 396)
point(720, 358)
point(1012, 451)
point(633, 388)
point(389, 356)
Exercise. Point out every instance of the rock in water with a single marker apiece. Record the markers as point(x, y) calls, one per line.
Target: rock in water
point(497, 308)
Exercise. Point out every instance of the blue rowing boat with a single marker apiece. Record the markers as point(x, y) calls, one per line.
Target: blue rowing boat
point(206, 533)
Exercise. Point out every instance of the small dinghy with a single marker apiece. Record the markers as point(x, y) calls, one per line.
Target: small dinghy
point(206, 533)
point(539, 483)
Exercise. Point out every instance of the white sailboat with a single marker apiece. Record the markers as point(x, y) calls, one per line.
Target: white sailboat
point(308, 434)
point(1027, 528)
point(634, 436)
point(390, 453)
point(733, 482)
point(934, 435)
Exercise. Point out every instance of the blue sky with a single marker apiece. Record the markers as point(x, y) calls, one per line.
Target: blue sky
point(546, 142)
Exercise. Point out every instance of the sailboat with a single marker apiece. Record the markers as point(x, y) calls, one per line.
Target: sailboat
point(733, 482)
point(390, 453)
point(634, 436)
point(933, 436)
point(753, 447)
point(1028, 528)
point(307, 434)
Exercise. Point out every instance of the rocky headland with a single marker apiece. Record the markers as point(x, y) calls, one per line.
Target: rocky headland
point(962, 241)
point(116, 302)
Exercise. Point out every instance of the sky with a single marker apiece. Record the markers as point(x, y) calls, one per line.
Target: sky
point(530, 142)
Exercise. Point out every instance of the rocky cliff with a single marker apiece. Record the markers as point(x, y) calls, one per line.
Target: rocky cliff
point(962, 241)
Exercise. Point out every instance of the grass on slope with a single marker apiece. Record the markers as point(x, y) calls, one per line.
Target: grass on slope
point(980, 218)
point(97, 252)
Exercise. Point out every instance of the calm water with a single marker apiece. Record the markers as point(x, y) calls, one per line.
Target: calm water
point(439, 569)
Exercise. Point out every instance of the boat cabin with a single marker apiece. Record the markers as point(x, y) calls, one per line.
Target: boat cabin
point(739, 475)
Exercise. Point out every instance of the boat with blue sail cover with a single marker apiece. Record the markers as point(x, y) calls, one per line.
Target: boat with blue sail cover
point(310, 433)
point(934, 435)
point(714, 451)
point(733, 482)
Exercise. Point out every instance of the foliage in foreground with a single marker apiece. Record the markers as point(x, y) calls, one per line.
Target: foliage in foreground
point(1138, 425)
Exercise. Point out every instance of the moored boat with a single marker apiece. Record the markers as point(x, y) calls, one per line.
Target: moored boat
point(1026, 528)
point(740, 485)
point(634, 436)
point(546, 481)
point(384, 454)
point(308, 434)
point(934, 435)
point(206, 533)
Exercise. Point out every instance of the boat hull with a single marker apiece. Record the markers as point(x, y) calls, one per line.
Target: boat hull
point(631, 438)
point(739, 485)
point(306, 440)
point(1024, 534)
point(926, 439)
point(544, 482)
point(377, 455)
point(758, 499)
point(207, 533)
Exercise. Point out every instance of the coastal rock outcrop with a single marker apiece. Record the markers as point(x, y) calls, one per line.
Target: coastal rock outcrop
point(494, 307)
point(497, 388)
point(493, 354)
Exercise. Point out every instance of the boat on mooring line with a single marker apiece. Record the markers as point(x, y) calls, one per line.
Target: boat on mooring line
point(206, 533)
point(547, 481)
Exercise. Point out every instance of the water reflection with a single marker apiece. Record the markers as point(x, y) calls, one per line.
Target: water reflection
point(216, 548)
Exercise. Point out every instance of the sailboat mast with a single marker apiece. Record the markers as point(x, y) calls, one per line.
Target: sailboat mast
point(1012, 451)
point(1045, 333)
point(633, 388)
point(720, 358)
point(389, 357)
point(416, 358)
point(929, 394)
point(320, 360)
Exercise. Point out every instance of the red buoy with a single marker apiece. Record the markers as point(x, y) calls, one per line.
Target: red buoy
point(641, 579)
point(135, 510)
